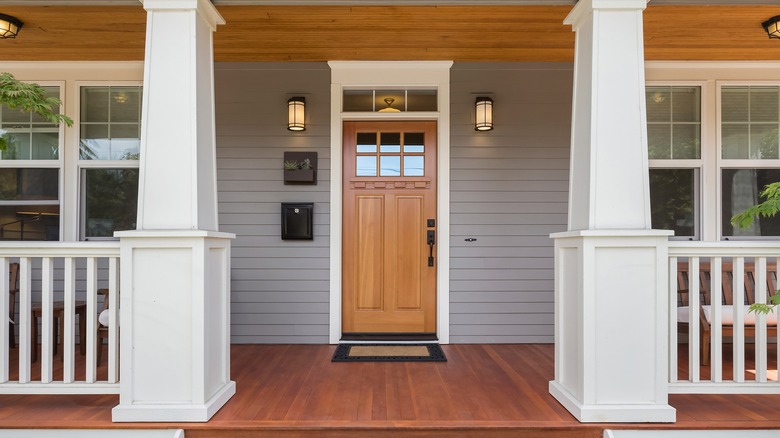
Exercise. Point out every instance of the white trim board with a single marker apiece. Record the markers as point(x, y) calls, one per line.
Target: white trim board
point(433, 74)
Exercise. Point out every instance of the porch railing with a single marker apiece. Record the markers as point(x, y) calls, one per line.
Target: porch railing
point(730, 272)
point(58, 284)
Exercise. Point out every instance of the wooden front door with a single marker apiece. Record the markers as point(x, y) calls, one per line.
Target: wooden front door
point(389, 242)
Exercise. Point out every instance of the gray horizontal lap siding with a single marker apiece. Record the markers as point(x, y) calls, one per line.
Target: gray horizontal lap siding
point(279, 289)
point(509, 190)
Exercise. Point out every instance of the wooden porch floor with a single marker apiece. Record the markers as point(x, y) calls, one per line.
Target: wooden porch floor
point(483, 390)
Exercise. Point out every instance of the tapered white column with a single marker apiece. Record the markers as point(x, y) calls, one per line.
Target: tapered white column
point(175, 268)
point(610, 267)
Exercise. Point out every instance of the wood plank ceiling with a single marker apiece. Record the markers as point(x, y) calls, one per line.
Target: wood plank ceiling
point(321, 33)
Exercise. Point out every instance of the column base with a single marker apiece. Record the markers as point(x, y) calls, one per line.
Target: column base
point(172, 413)
point(612, 413)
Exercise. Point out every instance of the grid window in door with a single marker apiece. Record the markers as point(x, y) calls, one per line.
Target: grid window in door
point(390, 154)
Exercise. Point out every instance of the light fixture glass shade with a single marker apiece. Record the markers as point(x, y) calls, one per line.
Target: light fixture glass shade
point(389, 109)
point(296, 110)
point(772, 27)
point(484, 114)
point(9, 26)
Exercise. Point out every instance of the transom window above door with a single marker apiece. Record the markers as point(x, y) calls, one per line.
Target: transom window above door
point(390, 101)
point(390, 154)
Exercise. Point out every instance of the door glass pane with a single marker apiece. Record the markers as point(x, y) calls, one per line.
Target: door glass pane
point(672, 200)
point(414, 142)
point(366, 142)
point(390, 165)
point(414, 165)
point(111, 201)
point(366, 166)
point(390, 142)
point(29, 184)
point(740, 190)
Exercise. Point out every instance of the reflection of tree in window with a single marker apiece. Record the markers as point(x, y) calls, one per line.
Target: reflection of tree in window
point(740, 190)
point(672, 200)
point(111, 201)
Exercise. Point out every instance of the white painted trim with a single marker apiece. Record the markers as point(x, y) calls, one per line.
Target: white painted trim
point(347, 74)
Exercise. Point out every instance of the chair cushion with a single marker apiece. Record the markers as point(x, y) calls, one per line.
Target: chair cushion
point(727, 315)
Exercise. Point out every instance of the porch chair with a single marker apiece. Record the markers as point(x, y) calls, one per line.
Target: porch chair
point(102, 326)
point(13, 290)
point(727, 305)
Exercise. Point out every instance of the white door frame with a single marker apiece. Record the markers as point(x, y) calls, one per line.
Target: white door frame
point(379, 75)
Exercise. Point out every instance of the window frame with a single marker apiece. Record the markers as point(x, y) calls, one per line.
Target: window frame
point(81, 165)
point(730, 163)
point(697, 164)
point(58, 164)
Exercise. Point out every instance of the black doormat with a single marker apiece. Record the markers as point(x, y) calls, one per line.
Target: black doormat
point(389, 353)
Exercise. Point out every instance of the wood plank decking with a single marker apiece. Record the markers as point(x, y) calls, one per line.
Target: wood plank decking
point(483, 390)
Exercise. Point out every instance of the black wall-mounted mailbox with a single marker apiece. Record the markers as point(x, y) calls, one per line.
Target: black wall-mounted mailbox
point(297, 221)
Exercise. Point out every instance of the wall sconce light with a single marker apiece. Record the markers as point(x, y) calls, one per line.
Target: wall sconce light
point(9, 26)
point(772, 27)
point(484, 114)
point(296, 110)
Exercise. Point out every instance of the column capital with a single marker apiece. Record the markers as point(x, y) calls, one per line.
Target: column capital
point(204, 7)
point(584, 8)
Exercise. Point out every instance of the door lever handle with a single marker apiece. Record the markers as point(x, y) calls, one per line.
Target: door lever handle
point(431, 242)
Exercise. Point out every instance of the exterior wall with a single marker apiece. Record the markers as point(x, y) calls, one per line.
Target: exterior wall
point(279, 288)
point(509, 191)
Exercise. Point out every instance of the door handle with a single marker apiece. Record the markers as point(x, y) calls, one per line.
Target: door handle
point(431, 242)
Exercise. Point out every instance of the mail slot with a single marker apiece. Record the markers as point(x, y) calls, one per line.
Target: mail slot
point(297, 221)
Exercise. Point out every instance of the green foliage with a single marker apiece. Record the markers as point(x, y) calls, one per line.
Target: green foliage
point(768, 208)
point(29, 98)
point(291, 165)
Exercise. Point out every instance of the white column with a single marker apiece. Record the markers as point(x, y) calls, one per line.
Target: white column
point(175, 268)
point(611, 348)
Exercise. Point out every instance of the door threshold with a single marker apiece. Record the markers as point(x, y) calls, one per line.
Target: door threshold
point(389, 337)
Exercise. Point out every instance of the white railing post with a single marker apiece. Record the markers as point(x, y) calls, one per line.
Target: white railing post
point(693, 319)
point(91, 312)
point(673, 341)
point(738, 304)
point(760, 330)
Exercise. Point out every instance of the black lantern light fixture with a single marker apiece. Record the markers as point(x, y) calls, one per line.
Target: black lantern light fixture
point(9, 26)
point(484, 114)
point(296, 111)
point(772, 27)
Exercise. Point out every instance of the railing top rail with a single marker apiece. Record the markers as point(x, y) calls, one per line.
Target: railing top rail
point(59, 249)
point(743, 248)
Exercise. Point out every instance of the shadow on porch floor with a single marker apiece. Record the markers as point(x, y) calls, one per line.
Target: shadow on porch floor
point(483, 390)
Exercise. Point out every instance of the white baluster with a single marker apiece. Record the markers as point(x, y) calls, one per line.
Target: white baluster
point(738, 302)
point(91, 316)
point(716, 327)
point(113, 320)
point(47, 318)
point(25, 287)
point(69, 329)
